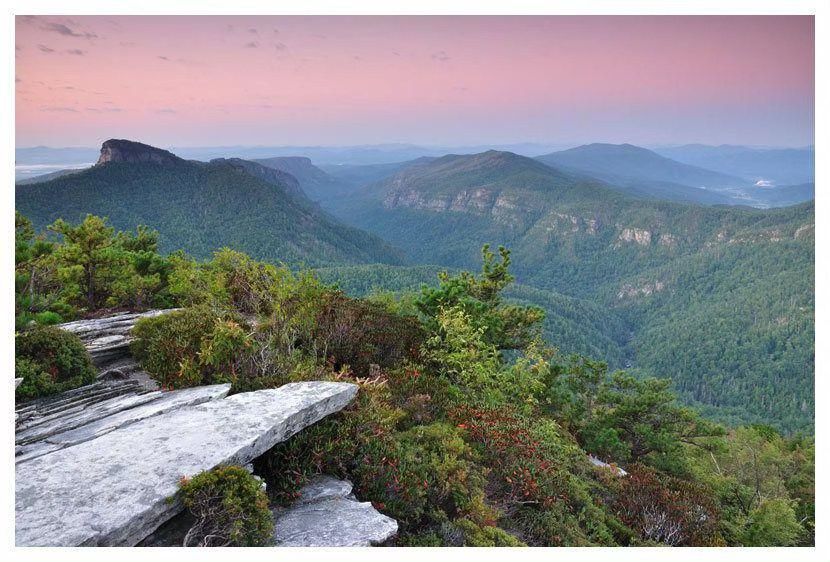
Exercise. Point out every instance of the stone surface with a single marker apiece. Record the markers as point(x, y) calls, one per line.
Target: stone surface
point(114, 490)
point(602, 464)
point(92, 422)
point(108, 339)
point(119, 150)
point(326, 514)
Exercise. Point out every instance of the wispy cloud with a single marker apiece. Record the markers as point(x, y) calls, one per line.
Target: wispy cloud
point(66, 31)
point(54, 109)
point(46, 49)
point(166, 111)
point(440, 56)
point(77, 52)
point(252, 45)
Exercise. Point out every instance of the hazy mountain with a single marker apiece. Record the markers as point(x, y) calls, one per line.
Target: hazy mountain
point(683, 267)
point(200, 207)
point(781, 166)
point(357, 176)
point(316, 183)
point(625, 163)
point(46, 177)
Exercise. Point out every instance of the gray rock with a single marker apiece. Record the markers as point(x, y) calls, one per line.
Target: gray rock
point(333, 522)
point(326, 514)
point(120, 412)
point(324, 487)
point(108, 339)
point(115, 490)
point(616, 470)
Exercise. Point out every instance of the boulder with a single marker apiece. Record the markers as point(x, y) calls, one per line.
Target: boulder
point(118, 488)
point(326, 514)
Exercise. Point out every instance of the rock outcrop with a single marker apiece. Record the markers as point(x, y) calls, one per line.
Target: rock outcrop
point(327, 515)
point(86, 413)
point(120, 150)
point(108, 339)
point(116, 489)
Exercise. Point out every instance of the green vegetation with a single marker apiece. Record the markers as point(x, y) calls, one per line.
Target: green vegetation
point(230, 508)
point(200, 207)
point(719, 299)
point(468, 428)
point(50, 361)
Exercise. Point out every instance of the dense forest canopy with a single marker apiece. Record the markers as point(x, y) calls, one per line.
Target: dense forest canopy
point(469, 429)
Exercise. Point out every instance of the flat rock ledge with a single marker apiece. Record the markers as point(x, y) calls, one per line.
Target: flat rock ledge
point(116, 489)
point(108, 339)
point(328, 515)
point(97, 409)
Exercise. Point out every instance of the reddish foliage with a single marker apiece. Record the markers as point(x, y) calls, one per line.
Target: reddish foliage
point(357, 333)
point(524, 469)
point(665, 509)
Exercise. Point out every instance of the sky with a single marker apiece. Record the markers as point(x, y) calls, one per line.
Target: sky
point(434, 80)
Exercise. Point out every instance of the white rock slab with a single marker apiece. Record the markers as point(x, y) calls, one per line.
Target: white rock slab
point(114, 490)
point(152, 404)
point(326, 514)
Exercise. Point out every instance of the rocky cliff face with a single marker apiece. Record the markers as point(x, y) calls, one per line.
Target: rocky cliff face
point(117, 150)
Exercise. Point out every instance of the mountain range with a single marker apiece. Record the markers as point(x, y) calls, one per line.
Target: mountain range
point(201, 207)
point(632, 260)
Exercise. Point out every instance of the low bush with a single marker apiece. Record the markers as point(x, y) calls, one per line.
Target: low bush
point(189, 347)
point(357, 333)
point(667, 510)
point(230, 508)
point(50, 360)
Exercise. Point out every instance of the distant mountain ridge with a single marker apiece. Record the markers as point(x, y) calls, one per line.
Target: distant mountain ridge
point(783, 166)
point(626, 162)
point(201, 207)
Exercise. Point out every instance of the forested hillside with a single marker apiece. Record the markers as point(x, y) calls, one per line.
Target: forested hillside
point(467, 428)
point(199, 207)
point(640, 258)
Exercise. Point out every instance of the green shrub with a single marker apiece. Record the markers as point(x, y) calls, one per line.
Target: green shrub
point(230, 508)
point(50, 360)
point(359, 333)
point(189, 347)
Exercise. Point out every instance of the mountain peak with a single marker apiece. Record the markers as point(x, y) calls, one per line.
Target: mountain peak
point(120, 150)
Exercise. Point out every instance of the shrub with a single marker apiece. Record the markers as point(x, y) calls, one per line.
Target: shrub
point(230, 508)
point(50, 360)
point(424, 475)
point(666, 510)
point(189, 347)
point(538, 475)
point(359, 333)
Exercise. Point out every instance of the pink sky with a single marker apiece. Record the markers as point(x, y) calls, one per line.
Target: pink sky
point(198, 81)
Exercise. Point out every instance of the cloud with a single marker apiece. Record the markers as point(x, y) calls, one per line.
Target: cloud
point(66, 31)
point(280, 46)
point(163, 57)
point(104, 109)
point(53, 109)
point(46, 49)
point(77, 52)
point(764, 183)
point(166, 111)
point(253, 30)
point(17, 80)
point(440, 56)
point(252, 45)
